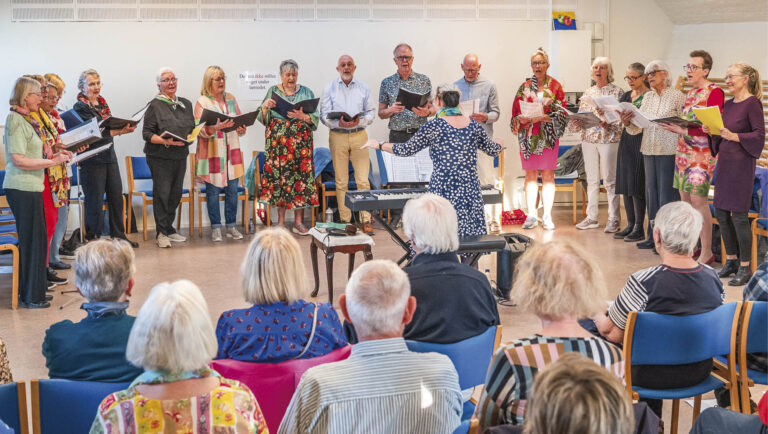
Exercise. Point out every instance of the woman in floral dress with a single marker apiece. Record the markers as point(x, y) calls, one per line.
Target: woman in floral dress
point(288, 181)
point(694, 163)
point(539, 137)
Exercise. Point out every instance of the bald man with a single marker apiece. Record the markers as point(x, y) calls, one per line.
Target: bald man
point(352, 98)
point(486, 112)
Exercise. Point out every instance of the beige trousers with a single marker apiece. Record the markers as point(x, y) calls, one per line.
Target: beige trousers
point(345, 147)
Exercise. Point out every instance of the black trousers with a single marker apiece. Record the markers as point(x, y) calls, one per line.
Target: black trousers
point(27, 208)
point(736, 233)
point(167, 185)
point(98, 179)
point(399, 137)
point(634, 206)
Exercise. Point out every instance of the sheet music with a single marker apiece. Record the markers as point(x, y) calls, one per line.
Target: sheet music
point(416, 168)
point(639, 119)
point(88, 154)
point(531, 109)
point(89, 130)
point(469, 107)
point(610, 106)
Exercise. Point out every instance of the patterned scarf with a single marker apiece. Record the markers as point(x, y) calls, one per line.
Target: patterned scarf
point(58, 180)
point(552, 130)
point(449, 111)
point(35, 124)
point(102, 109)
point(173, 104)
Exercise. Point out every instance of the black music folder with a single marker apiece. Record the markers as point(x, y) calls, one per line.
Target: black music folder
point(210, 117)
point(410, 99)
point(283, 106)
point(71, 119)
point(346, 116)
point(114, 123)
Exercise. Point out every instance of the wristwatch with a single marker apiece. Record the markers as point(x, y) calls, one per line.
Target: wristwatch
point(380, 145)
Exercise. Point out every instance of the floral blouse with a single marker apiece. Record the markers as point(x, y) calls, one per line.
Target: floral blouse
point(230, 408)
point(657, 140)
point(599, 134)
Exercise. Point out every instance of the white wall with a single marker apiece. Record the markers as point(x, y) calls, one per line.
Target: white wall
point(726, 42)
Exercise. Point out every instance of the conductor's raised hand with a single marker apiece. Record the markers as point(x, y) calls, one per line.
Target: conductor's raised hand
point(421, 111)
point(370, 144)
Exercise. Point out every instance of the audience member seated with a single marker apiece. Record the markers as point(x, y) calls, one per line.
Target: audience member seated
point(280, 325)
point(173, 340)
point(679, 286)
point(559, 283)
point(717, 420)
point(5, 367)
point(573, 395)
point(94, 348)
point(382, 387)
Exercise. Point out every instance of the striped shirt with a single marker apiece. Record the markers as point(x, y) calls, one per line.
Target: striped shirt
point(515, 364)
point(669, 291)
point(381, 388)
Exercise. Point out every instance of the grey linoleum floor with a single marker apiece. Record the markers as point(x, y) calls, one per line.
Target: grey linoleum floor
point(214, 267)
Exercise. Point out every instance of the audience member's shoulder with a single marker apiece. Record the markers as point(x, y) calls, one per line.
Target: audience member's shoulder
point(645, 273)
point(60, 327)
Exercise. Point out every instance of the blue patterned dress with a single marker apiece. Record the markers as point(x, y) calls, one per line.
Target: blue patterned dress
point(454, 157)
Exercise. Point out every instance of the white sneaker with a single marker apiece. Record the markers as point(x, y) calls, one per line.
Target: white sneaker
point(177, 238)
point(588, 223)
point(232, 232)
point(612, 227)
point(547, 223)
point(216, 235)
point(163, 241)
point(530, 222)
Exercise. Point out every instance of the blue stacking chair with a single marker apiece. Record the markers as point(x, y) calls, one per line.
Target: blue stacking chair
point(328, 188)
point(655, 339)
point(759, 228)
point(137, 169)
point(261, 158)
point(13, 407)
point(471, 358)
point(64, 406)
point(242, 195)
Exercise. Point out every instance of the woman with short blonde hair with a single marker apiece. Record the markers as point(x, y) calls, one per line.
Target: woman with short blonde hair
point(173, 340)
point(560, 283)
point(280, 325)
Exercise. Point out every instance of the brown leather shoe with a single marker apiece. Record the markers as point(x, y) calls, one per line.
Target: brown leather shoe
point(368, 228)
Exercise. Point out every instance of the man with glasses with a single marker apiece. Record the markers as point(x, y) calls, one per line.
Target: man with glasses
point(403, 123)
point(347, 136)
point(486, 111)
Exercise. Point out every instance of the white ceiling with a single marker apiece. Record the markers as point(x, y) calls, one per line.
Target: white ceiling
point(714, 11)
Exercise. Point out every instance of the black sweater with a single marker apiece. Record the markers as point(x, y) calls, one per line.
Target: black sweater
point(160, 117)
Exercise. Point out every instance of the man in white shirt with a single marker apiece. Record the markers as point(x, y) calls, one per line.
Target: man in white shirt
point(486, 112)
point(382, 387)
point(352, 98)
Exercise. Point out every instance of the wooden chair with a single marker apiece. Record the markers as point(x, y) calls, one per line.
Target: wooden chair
point(759, 228)
point(655, 339)
point(137, 169)
point(258, 167)
point(13, 410)
point(567, 184)
point(242, 195)
point(9, 242)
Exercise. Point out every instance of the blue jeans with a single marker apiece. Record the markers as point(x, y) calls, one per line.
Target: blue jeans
point(659, 178)
point(230, 203)
point(58, 234)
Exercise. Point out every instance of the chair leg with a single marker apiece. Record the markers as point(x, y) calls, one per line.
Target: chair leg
point(178, 217)
point(15, 278)
point(200, 201)
point(191, 216)
point(573, 202)
point(675, 415)
point(245, 215)
point(696, 408)
point(144, 219)
point(130, 214)
point(723, 254)
point(269, 216)
point(753, 262)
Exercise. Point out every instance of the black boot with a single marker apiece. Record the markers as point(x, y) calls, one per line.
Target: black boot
point(741, 278)
point(731, 266)
point(637, 234)
point(623, 233)
point(648, 243)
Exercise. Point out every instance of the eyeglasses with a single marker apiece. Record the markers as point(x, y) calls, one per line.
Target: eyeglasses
point(692, 68)
point(731, 77)
point(653, 73)
point(169, 80)
point(538, 63)
point(94, 84)
point(598, 67)
point(631, 78)
point(471, 71)
point(404, 58)
point(52, 98)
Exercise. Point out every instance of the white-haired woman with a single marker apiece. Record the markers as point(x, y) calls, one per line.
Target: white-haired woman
point(100, 174)
point(173, 340)
point(219, 158)
point(23, 184)
point(166, 155)
point(288, 180)
point(94, 348)
point(453, 140)
point(560, 283)
point(280, 325)
point(600, 146)
point(658, 145)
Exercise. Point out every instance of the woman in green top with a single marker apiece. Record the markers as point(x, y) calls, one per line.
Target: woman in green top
point(23, 185)
point(288, 181)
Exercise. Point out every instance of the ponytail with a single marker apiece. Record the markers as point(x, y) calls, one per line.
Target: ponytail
point(754, 85)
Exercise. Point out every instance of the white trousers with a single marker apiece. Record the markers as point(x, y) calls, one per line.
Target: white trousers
point(600, 162)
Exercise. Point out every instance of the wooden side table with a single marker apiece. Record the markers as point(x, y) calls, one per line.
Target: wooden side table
point(332, 245)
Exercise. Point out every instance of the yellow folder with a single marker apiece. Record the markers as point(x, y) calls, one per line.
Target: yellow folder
point(710, 116)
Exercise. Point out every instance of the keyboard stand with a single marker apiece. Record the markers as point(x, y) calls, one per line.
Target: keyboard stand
point(406, 245)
